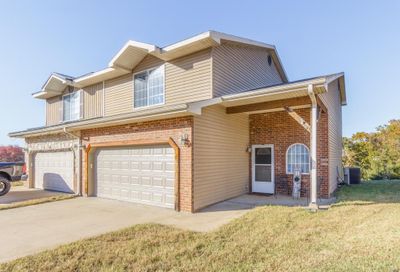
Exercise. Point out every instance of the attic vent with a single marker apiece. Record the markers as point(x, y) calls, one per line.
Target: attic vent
point(269, 60)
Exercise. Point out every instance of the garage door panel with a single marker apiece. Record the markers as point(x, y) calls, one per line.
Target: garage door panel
point(137, 174)
point(54, 171)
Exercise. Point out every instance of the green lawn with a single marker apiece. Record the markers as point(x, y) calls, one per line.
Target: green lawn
point(361, 233)
point(372, 191)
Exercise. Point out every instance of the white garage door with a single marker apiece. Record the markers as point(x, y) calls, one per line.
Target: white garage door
point(54, 171)
point(137, 174)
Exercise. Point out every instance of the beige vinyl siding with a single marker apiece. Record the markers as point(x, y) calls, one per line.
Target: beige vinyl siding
point(221, 163)
point(332, 101)
point(188, 78)
point(93, 101)
point(53, 110)
point(147, 63)
point(118, 95)
point(238, 68)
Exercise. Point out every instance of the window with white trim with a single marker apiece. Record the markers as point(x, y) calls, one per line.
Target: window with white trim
point(148, 87)
point(298, 158)
point(71, 106)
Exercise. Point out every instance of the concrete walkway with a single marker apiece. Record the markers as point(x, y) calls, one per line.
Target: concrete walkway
point(253, 200)
point(33, 229)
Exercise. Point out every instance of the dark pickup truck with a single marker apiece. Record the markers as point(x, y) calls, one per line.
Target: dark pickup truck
point(9, 171)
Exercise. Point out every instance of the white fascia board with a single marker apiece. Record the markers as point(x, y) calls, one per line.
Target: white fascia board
point(333, 77)
point(24, 134)
point(108, 121)
point(185, 42)
point(43, 93)
point(62, 80)
point(95, 74)
point(147, 47)
point(281, 67)
point(196, 107)
point(342, 90)
point(218, 36)
point(274, 89)
point(39, 95)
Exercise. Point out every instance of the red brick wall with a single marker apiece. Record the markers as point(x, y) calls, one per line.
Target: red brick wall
point(160, 130)
point(281, 130)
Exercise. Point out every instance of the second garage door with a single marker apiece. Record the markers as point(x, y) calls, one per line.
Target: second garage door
point(54, 171)
point(138, 174)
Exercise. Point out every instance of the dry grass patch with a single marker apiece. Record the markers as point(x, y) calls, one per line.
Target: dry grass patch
point(17, 183)
point(271, 238)
point(36, 201)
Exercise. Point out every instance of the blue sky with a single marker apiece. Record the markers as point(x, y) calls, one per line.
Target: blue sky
point(361, 38)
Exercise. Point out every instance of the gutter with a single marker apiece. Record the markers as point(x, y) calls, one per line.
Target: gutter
point(278, 89)
point(137, 116)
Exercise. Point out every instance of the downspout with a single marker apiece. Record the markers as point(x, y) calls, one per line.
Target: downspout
point(104, 99)
point(313, 148)
point(79, 181)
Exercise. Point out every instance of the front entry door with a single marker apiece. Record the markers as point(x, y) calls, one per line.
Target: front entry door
point(263, 169)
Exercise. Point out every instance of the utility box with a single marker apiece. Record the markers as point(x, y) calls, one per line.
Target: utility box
point(296, 184)
point(352, 175)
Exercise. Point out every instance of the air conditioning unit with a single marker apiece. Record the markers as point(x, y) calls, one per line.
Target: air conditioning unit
point(352, 175)
point(346, 175)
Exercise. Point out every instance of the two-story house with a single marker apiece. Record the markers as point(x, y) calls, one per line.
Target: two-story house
point(188, 125)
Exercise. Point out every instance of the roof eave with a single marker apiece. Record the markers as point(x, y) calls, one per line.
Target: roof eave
point(138, 116)
point(342, 87)
point(121, 64)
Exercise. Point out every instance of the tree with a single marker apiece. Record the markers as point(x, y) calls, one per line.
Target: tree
point(357, 151)
point(376, 153)
point(386, 142)
point(11, 153)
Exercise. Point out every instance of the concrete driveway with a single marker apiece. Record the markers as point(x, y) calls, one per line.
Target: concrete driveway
point(21, 193)
point(32, 229)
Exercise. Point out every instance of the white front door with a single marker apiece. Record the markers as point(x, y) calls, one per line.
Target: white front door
point(263, 169)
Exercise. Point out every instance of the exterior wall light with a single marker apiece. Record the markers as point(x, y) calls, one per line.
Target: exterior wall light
point(184, 139)
point(248, 149)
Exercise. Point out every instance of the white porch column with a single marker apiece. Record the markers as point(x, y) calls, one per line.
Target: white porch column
point(313, 147)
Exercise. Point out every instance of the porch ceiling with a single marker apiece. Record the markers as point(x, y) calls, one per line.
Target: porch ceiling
point(272, 99)
point(254, 97)
point(294, 102)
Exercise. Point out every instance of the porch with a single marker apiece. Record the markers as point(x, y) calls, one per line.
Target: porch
point(288, 138)
point(250, 201)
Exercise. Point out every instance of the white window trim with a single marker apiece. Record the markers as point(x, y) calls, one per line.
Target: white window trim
point(286, 159)
point(62, 106)
point(133, 88)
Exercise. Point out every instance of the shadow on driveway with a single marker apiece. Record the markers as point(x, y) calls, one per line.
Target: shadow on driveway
point(21, 193)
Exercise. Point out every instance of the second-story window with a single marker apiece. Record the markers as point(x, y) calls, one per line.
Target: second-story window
point(71, 106)
point(149, 87)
